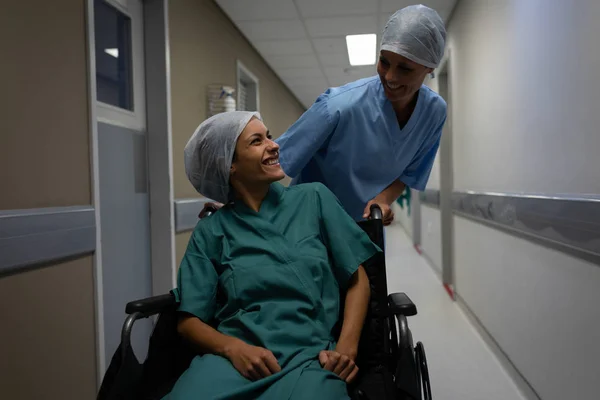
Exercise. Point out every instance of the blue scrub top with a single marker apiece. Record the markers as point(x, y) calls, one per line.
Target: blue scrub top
point(350, 141)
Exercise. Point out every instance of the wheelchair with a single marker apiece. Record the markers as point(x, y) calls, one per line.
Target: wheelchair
point(391, 367)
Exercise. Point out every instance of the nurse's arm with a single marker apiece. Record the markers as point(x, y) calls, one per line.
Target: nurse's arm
point(391, 193)
point(385, 200)
point(355, 311)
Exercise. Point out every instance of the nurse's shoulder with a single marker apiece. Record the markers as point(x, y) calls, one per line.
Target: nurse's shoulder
point(353, 94)
point(434, 104)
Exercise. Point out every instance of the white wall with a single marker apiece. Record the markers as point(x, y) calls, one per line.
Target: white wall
point(525, 97)
point(431, 236)
point(401, 216)
point(431, 223)
point(434, 178)
point(540, 305)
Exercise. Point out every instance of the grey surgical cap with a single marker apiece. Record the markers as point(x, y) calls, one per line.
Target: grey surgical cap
point(417, 33)
point(209, 153)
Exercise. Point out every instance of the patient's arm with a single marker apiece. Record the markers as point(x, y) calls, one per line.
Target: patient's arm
point(355, 311)
point(251, 361)
point(203, 336)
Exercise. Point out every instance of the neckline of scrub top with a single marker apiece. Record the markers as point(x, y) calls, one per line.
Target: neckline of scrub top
point(268, 204)
point(389, 110)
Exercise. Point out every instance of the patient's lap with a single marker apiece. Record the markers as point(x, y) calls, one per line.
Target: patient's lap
point(214, 377)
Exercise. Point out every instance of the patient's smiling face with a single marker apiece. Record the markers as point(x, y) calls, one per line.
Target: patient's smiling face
point(256, 158)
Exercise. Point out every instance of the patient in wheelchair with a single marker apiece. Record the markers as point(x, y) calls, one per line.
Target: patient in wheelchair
point(270, 270)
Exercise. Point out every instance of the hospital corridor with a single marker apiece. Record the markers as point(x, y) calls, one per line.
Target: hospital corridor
point(462, 364)
point(300, 199)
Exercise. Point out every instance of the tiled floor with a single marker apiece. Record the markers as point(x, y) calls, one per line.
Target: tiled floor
point(461, 365)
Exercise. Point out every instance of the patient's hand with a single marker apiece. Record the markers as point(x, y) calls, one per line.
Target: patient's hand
point(339, 364)
point(252, 362)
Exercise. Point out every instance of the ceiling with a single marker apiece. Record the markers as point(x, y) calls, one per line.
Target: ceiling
point(304, 41)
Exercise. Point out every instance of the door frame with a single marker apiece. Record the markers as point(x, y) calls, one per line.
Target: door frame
point(157, 118)
point(447, 176)
point(415, 209)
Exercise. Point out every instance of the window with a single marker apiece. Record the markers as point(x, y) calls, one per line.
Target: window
point(242, 95)
point(114, 75)
point(119, 63)
point(247, 89)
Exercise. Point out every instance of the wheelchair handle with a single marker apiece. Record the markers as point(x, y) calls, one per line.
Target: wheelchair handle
point(210, 210)
point(139, 309)
point(126, 333)
point(376, 212)
point(151, 305)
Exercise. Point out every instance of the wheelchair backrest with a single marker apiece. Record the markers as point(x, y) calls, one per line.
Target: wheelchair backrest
point(372, 349)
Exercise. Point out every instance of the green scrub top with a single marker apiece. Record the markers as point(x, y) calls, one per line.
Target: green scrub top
point(279, 273)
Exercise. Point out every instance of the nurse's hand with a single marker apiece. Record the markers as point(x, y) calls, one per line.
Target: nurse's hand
point(386, 210)
point(340, 364)
point(208, 206)
point(252, 362)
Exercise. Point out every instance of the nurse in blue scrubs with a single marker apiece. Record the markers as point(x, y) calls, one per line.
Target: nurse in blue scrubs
point(370, 139)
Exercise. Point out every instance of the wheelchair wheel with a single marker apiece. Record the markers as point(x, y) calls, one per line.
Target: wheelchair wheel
point(423, 370)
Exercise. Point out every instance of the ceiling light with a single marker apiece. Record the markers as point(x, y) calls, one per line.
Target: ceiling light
point(112, 52)
point(362, 49)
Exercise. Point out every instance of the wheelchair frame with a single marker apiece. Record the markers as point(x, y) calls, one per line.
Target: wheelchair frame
point(408, 362)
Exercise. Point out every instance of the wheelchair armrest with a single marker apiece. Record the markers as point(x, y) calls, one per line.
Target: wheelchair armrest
point(401, 304)
point(151, 305)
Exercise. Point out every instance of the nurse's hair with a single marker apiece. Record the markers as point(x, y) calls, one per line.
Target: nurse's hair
point(211, 150)
point(417, 33)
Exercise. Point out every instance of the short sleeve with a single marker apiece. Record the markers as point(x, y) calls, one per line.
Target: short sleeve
point(197, 280)
point(349, 246)
point(305, 137)
point(417, 173)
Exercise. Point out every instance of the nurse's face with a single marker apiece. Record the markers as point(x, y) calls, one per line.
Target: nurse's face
point(256, 156)
point(400, 77)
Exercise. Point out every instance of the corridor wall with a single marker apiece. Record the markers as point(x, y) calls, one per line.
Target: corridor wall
point(47, 339)
point(525, 115)
point(205, 46)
